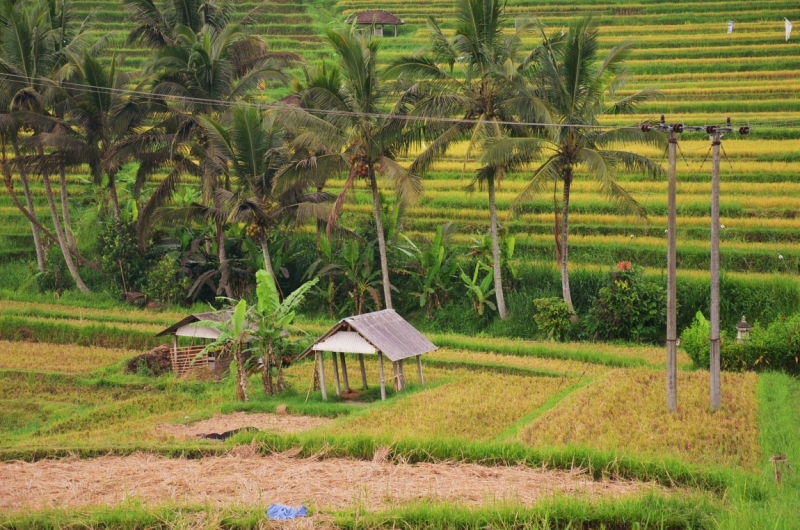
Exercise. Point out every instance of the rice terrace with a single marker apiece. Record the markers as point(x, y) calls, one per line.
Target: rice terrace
point(366, 264)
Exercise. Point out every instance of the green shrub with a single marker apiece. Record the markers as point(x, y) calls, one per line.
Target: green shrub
point(553, 317)
point(120, 256)
point(163, 283)
point(629, 307)
point(774, 347)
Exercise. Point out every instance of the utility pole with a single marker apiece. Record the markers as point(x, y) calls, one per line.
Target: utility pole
point(672, 332)
point(715, 134)
point(672, 297)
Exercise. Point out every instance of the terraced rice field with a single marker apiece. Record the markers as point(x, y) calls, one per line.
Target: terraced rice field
point(681, 48)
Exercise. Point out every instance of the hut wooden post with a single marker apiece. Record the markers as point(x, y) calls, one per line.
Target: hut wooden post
point(395, 30)
point(175, 354)
point(419, 370)
point(321, 358)
point(402, 374)
point(363, 370)
point(336, 374)
point(380, 371)
point(396, 373)
point(344, 373)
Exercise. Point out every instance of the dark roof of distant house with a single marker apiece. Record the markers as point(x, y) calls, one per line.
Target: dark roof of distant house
point(387, 331)
point(220, 316)
point(378, 16)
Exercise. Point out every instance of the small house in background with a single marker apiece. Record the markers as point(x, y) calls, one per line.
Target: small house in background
point(379, 18)
point(382, 334)
point(184, 358)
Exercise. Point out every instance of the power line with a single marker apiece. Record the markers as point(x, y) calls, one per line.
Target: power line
point(231, 104)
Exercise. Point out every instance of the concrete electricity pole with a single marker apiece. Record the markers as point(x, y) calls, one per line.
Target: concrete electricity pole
point(672, 299)
point(714, 132)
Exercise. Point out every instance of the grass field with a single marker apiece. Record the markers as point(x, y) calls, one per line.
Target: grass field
point(520, 412)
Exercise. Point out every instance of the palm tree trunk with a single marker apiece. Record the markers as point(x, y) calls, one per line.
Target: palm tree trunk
point(62, 242)
point(496, 264)
point(567, 294)
point(112, 188)
point(37, 239)
point(376, 209)
point(65, 208)
point(266, 375)
point(42, 230)
point(267, 259)
point(224, 269)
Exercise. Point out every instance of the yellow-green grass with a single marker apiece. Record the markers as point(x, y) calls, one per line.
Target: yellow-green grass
point(60, 311)
point(478, 406)
point(58, 357)
point(557, 366)
point(625, 410)
point(650, 354)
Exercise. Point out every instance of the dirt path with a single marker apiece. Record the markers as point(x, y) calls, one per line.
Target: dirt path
point(244, 478)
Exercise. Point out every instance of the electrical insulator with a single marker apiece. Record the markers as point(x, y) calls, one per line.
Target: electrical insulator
point(646, 127)
point(744, 130)
point(711, 129)
point(678, 128)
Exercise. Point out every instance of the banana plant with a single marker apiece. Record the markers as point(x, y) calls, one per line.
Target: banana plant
point(233, 340)
point(433, 269)
point(480, 290)
point(272, 321)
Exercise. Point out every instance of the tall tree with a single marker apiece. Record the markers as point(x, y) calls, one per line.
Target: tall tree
point(575, 81)
point(350, 122)
point(486, 94)
point(200, 68)
point(248, 149)
point(37, 42)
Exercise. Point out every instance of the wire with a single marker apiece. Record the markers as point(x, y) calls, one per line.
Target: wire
point(220, 102)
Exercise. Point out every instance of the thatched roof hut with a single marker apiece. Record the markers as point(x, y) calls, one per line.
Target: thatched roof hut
point(379, 18)
point(381, 333)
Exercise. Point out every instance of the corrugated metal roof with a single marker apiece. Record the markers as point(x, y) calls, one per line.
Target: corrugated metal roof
point(345, 342)
point(387, 331)
point(220, 316)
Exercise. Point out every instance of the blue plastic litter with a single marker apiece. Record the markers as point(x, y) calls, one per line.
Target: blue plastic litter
point(280, 512)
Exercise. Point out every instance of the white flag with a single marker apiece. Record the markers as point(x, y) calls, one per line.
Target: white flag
point(788, 27)
point(730, 27)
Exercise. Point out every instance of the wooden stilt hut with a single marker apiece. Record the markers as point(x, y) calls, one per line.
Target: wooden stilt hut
point(384, 334)
point(184, 358)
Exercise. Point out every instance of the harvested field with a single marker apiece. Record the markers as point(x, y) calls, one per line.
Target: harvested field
point(244, 478)
point(283, 423)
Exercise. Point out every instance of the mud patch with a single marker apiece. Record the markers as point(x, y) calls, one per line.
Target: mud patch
point(281, 423)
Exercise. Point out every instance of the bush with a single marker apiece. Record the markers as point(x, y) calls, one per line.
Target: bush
point(163, 283)
point(775, 347)
point(629, 307)
point(553, 317)
point(120, 256)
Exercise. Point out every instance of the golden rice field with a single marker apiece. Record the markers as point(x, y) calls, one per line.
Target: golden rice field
point(58, 357)
point(478, 406)
point(624, 410)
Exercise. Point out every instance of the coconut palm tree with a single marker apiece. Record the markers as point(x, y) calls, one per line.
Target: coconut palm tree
point(485, 95)
point(349, 123)
point(37, 42)
point(249, 150)
point(200, 70)
point(575, 82)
